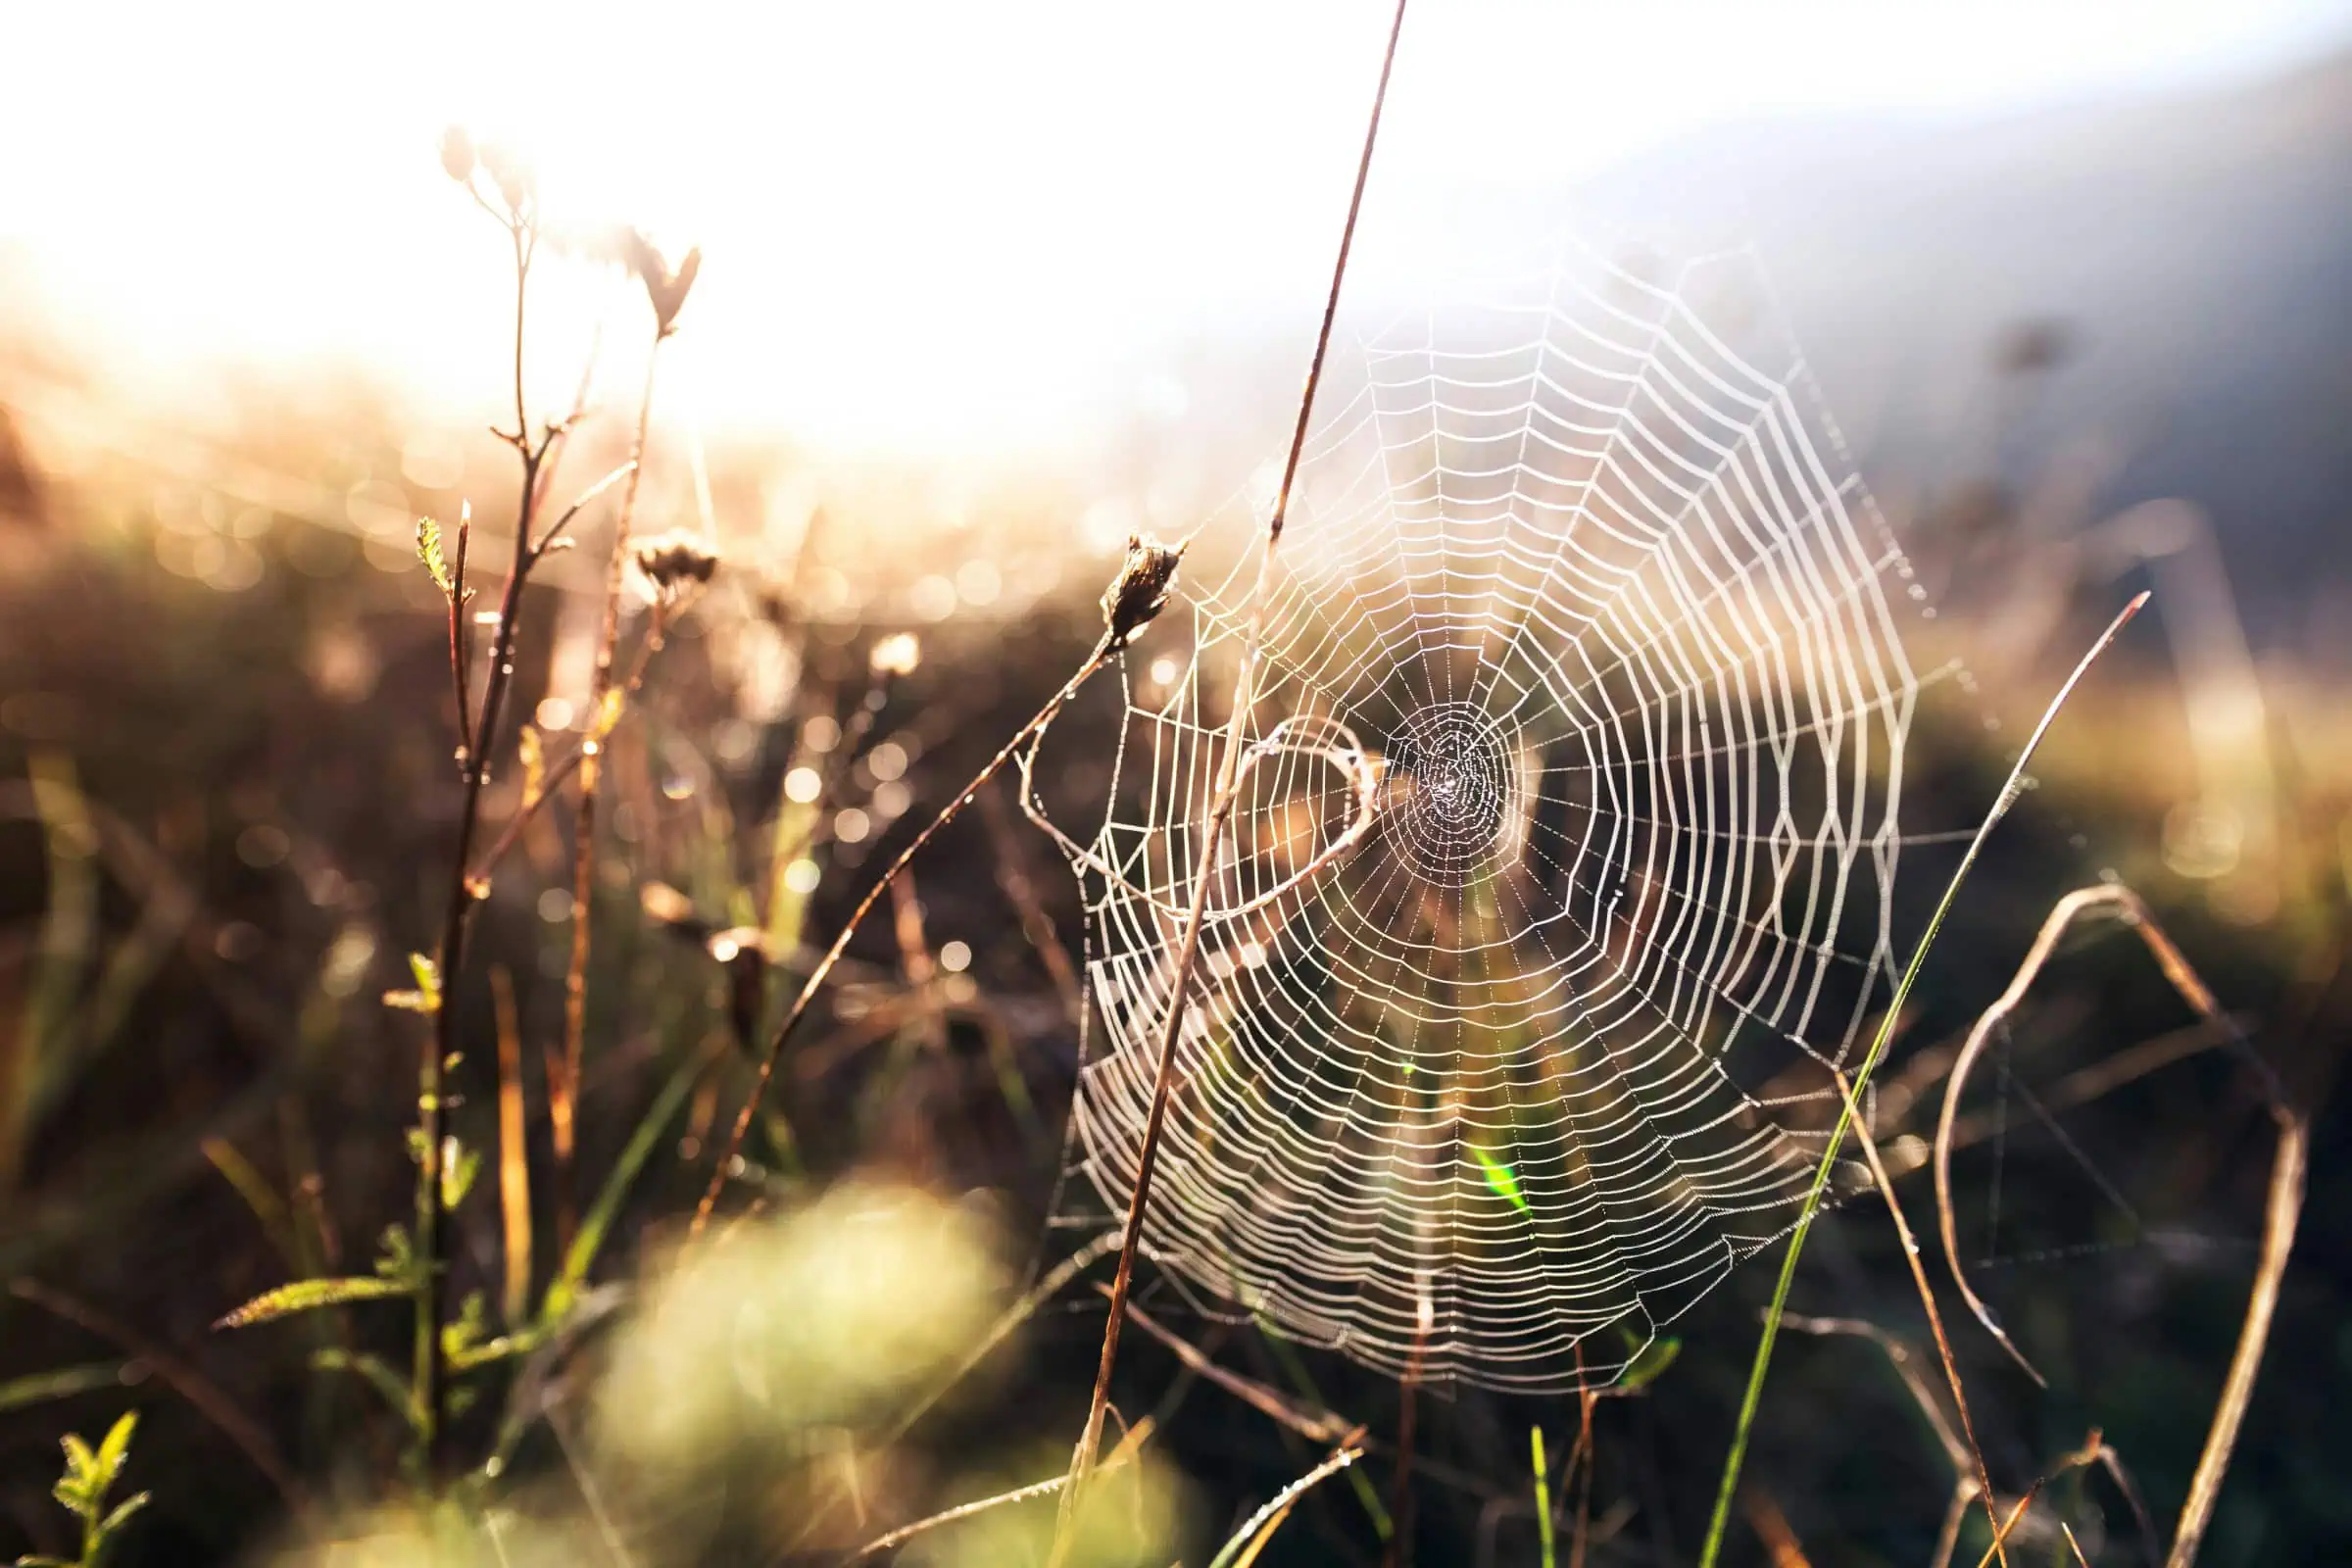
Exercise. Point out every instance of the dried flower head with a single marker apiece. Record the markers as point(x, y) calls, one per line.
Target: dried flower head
point(675, 563)
point(665, 287)
point(516, 185)
point(458, 157)
point(895, 655)
point(1140, 592)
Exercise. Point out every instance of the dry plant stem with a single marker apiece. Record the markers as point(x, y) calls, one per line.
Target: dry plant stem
point(1316, 1426)
point(1771, 1526)
point(1927, 1292)
point(1103, 649)
point(430, 1381)
point(1013, 1316)
point(513, 1155)
point(566, 1087)
point(2283, 1210)
point(2126, 905)
point(1400, 1554)
point(1585, 1401)
point(1228, 769)
point(192, 1385)
point(2286, 1206)
point(906, 1533)
point(656, 634)
point(1012, 875)
point(1251, 1540)
point(2010, 788)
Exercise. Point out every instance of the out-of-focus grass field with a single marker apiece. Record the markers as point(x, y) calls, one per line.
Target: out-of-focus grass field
point(225, 808)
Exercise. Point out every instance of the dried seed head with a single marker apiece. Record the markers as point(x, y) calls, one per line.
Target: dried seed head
point(665, 288)
point(675, 563)
point(1140, 592)
point(458, 158)
point(516, 186)
point(895, 655)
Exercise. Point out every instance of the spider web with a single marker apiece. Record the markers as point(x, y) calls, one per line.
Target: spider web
point(1530, 1068)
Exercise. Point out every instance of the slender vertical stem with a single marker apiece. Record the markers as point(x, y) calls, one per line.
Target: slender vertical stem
point(2011, 789)
point(566, 1092)
point(1927, 1294)
point(1228, 771)
point(2284, 1208)
point(430, 1381)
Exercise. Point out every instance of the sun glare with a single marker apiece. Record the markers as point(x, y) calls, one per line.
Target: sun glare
point(929, 226)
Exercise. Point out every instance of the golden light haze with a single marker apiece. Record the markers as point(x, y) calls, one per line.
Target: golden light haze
point(929, 226)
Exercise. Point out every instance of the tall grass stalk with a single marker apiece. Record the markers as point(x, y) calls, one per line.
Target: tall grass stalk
point(1229, 767)
point(429, 1375)
point(563, 1084)
point(1113, 638)
point(2011, 789)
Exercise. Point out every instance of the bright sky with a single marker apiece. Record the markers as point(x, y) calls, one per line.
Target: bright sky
point(927, 226)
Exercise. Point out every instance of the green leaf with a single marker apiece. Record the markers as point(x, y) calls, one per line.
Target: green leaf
point(116, 1445)
point(80, 1463)
point(1501, 1178)
point(459, 1337)
point(42, 1387)
point(397, 1259)
point(429, 551)
point(122, 1513)
point(566, 1288)
point(37, 1560)
point(1648, 1364)
point(459, 1165)
point(303, 1296)
point(376, 1374)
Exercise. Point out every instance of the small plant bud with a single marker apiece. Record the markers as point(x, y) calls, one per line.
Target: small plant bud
point(665, 288)
point(675, 563)
point(899, 654)
point(458, 158)
point(1140, 592)
point(512, 176)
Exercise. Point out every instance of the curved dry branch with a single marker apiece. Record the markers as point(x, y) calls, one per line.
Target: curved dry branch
point(2281, 1211)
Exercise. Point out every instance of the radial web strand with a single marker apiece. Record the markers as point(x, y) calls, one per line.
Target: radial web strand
point(1529, 1069)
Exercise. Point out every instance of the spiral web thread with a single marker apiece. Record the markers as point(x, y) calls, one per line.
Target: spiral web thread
point(1529, 1069)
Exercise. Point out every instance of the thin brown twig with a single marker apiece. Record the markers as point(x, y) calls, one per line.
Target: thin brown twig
point(1011, 1318)
point(1100, 655)
point(190, 1384)
point(1012, 875)
point(1126, 1450)
point(1771, 1526)
point(1927, 1294)
point(558, 774)
point(2281, 1215)
point(2282, 1209)
point(1228, 775)
point(2093, 1448)
point(564, 1086)
point(1400, 1554)
point(441, 1046)
point(514, 1157)
point(1316, 1426)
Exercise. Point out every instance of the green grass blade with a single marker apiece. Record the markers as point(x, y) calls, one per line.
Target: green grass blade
point(1534, 1455)
point(305, 1296)
point(564, 1290)
point(63, 1382)
point(2010, 791)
